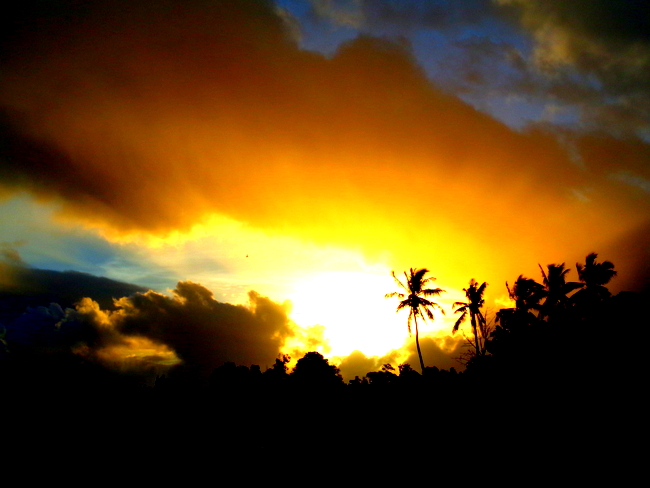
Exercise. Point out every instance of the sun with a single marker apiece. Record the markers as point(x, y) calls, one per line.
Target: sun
point(352, 308)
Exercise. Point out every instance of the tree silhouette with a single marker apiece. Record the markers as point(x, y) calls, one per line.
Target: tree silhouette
point(472, 307)
point(556, 290)
point(314, 370)
point(594, 276)
point(592, 306)
point(526, 293)
point(514, 341)
point(279, 369)
point(414, 298)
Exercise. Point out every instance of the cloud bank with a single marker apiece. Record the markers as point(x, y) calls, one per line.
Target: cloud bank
point(151, 117)
point(202, 332)
point(144, 332)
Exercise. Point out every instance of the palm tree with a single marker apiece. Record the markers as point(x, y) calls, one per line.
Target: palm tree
point(595, 276)
point(556, 288)
point(473, 307)
point(526, 293)
point(414, 298)
point(514, 339)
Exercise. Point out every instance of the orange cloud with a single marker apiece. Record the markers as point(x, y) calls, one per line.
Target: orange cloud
point(154, 117)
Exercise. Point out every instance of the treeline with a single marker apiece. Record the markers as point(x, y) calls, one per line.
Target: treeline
point(312, 371)
point(558, 329)
point(559, 335)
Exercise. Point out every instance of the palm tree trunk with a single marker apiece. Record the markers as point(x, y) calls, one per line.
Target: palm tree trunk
point(478, 351)
point(417, 342)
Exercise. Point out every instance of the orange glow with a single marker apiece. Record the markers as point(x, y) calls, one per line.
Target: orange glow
point(238, 160)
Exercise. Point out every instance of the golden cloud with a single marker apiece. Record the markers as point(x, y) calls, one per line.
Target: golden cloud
point(154, 117)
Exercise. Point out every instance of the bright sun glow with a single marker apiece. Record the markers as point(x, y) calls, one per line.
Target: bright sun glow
point(352, 307)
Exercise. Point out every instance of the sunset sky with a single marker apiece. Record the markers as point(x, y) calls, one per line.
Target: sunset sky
point(288, 155)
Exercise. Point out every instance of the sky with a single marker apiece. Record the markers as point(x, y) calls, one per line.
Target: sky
point(246, 175)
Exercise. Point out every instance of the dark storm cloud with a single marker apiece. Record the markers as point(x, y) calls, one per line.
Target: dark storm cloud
point(589, 32)
point(587, 56)
point(202, 332)
point(134, 330)
point(33, 302)
point(22, 286)
point(606, 41)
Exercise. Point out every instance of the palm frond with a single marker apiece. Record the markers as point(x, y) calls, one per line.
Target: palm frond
point(402, 304)
point(397, 294)
point(399, 283)
point(571, 286)
point(461, 306)
point(433, 292)
point(460, 320)
point(510, 292)
point(418, 274)
point(482, 288)
point(545, 280)
point(591, 259)
point(594, 273)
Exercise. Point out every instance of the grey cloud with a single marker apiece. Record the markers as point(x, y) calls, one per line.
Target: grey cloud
point(203, 332)
point(391, 15)
point(606, 41)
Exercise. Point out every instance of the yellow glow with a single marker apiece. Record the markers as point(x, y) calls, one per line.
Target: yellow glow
point(141, 349)
point(133, 351)
point(352, 307)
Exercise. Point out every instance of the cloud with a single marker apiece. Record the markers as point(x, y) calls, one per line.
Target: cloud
point(152, 117)
point(151, 332)
point(441, 352)
point(591, 56)
point(50, 316)
point(607, 42)
point(387, 15)
point(358, 364)
point(587, 33)
point(202, 332)
point(34, 301)
point(22, 286)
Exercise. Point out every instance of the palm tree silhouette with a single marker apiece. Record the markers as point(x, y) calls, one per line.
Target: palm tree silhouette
point(414, 298)
point(595, 276)
point(472, 307)
point(556, 289)
point(514, 339)
point(526, 293)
